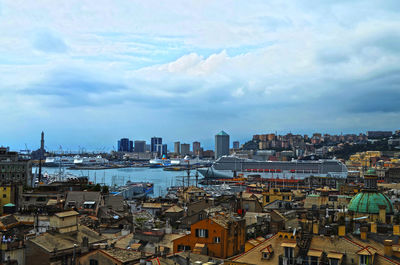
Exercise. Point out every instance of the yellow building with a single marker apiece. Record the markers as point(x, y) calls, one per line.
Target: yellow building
point(7, 195)
point(363, 159)
point(276, 194)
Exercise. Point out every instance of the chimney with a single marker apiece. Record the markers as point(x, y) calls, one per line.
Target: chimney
point(85, 244)
point(315, 228)
point(382, 214)
point(388, 250)
point(364, 231)
point(342, 230)
point(374, 227)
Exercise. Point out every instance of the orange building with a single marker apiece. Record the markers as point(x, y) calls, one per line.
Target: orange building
point(220, 236)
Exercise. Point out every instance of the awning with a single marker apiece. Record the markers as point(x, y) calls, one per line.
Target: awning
point(338, 256)
point(51, 202)
point(314, 253)
point(9, 205)
point(289, 244)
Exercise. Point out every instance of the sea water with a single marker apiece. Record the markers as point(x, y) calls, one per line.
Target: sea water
point(119, 176)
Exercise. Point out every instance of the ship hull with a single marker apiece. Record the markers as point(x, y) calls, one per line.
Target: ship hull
point(229, 167)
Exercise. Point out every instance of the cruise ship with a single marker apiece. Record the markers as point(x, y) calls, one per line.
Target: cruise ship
point(69, 161)
point(90, 161)
point(63, 161)
point(231, 166)
point(165, 162)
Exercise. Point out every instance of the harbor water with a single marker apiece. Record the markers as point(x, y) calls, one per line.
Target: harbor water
point(118, 177)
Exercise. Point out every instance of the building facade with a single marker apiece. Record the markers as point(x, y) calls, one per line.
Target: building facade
point(185, 149)
point(14, 170)
point(177, 148)
point(221, 144)
point(196, 148)
point(156, 145)
point(140, 146)
point(124, 145)
point(220, 236)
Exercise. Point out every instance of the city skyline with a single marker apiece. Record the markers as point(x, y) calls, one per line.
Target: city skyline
point(138, 69)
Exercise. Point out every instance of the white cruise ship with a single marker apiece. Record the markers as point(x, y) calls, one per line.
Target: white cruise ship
point(228, 166)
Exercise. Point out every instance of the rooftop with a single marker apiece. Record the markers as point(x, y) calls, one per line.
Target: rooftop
point(222, 133)
point(122, 255)
point(66, 214)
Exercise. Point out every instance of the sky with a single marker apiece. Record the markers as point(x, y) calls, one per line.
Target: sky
point(90, 72)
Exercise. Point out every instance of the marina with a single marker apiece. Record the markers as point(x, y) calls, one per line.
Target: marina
point(120, 176)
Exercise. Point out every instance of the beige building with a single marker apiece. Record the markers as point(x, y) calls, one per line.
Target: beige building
point(13, 169)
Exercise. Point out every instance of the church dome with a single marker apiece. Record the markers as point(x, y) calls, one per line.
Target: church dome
point(369, 202)
point(370, 199)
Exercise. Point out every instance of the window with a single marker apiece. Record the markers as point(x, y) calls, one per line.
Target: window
point(4, 188)
point(364, 260)
point(313, 260)
point(333, 262)
point(183, 247)
point(94, 262)
point(201, 233)
point(4, 195)
point(217, 239)
point(289, 252)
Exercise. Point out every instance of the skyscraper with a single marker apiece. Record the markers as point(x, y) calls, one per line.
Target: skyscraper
point(177, 148)
point(235, 145)
point(221, 144)
point(140, 146)
point(196, 148)
point(155, 141)
point(164, 150)
point(124, 145)
point(185, 149)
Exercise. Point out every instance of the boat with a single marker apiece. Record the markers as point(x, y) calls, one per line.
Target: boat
point(63, 161)
point(178, 162)
point(135, 190)
point(90, 161)
point(231, 166)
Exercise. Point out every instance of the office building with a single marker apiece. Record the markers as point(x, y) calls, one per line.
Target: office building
point(196, 148)
point(130, 146)
point(236, 145)
point(13, 169)
point(164, 149)
point(140, 146)
point(156, 144)
point(177, 148)
point(124, 145)
point(221, 144)
point(185, 149)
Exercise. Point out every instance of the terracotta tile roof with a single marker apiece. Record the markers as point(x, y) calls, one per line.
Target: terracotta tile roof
point(66, 214)
point(122, 255)
point(174, 209)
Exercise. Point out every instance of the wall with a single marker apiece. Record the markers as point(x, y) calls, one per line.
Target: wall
point(100, 257)
point(232, 241)
point(64, 224)
point(36, 255)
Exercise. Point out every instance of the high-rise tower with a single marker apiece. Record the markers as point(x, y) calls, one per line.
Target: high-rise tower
point(221, 144)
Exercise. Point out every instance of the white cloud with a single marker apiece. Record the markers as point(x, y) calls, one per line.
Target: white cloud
point(256, 64)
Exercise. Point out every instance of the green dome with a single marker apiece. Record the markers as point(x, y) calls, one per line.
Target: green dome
point(370, 172)
point(369, 202)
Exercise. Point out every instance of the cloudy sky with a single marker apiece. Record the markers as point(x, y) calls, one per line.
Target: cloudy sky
point(90, 72)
